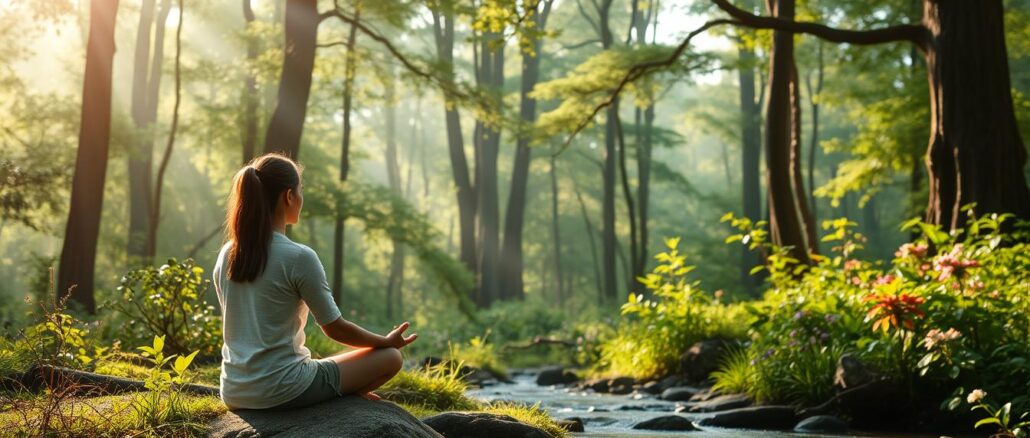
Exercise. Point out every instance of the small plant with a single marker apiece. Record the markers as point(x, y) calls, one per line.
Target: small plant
point(162, 403)
point(169, 301)
point(1002, 418)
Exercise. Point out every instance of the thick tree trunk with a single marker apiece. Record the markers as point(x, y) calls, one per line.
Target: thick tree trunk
point(976, 153)
point(785, 223)
point(491, 75)
point(443, 27)
point(339, 229)
point(633, 265)
point(78, 253)
point(608, 237)
point(287, 123)
point(751, 151)
point(813, 148)
point(250, 92)
point(511, 262)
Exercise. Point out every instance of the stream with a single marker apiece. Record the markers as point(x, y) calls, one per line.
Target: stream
point(607, 416)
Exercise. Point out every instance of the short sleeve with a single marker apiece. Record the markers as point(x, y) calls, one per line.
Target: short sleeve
point(310, 281)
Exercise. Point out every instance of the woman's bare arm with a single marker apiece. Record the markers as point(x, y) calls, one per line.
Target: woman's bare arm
point(353, 335)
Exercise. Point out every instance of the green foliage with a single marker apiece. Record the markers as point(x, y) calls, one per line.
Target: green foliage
point(1006, 423)
point(162, 404)
point(436, 388)
point(479, 353)
point(169, 301)
point(946, 317)
point(59, 339)
point(655, 331)
point(531, 415)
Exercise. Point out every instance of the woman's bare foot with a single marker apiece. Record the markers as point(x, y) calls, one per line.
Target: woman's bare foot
point(372, 396)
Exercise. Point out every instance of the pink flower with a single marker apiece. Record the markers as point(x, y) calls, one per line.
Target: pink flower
point(952, 264)
point(885, 279)
point(912, 249)
point(851, 265)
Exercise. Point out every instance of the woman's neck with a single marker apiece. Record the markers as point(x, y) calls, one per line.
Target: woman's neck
point(279, 224)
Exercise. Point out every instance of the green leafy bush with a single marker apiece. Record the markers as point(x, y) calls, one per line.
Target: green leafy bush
point(655, 331)
point(949, 311)
point(168, 301)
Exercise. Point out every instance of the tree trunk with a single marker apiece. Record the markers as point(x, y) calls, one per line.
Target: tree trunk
point(287, 122)
point(797, 179)
point(644, 150)
point(78, 253)
point(601, 297)
point(339, 230)
point(633, 266)
point(751, 151)
point(976, 153)
point(146, 79)
point(608, 237)
point(813, 96)
point(785, 224)
point(250, 92)
point(155, 207)
point(556, 233)
point(511, 262)
point(443, 32)
point(393, 174)
point(491, 75)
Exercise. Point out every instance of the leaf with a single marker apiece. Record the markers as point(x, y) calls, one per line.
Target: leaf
point(988, 420)
point(181, 363)
point(159, 343)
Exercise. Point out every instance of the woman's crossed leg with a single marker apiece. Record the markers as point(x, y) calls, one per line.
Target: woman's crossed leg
point(365, 369)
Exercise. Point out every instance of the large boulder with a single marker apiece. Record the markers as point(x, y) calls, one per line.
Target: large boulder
point(556, 376)
point(722, 403)
point(666, 422)
point(351, 417)
point(680, 393)
point(481, 424)
point(702, 358)
point(755, 417)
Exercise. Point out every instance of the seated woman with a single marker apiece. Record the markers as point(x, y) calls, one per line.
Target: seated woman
point(266, 284)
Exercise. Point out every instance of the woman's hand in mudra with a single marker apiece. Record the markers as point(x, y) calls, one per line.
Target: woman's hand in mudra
point(396, 338)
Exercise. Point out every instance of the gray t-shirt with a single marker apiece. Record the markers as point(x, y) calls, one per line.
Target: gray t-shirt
point(264, 360)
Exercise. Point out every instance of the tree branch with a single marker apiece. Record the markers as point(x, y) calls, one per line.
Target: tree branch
point(638, 71)
point(913, 33)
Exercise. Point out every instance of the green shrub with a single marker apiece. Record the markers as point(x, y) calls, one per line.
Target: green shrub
point(655, 331)
point(949, 311)
point(437, 388)
point(168, 301)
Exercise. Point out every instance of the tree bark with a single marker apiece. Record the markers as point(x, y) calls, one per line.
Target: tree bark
point(556, 233)
point(78, 253)
point(813, 148)
point(287, 123)
point(785, 224)
point(511, 262)
point(443, 32)
point(339, 229)
point(491, 76)
point(608, 237)
point(976, 154)
point(797, 179)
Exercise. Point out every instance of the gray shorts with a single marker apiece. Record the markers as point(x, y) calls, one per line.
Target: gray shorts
point(326, 386)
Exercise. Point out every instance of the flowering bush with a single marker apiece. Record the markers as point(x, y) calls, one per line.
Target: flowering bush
point(951, 310)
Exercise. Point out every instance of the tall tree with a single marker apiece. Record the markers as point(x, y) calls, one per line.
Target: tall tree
point(556, 234)
point(644, 140)
point(250, 91)
point(349, 73)
point(146, 85)
point(487, 142)
point(443, 33)
point(511, 262)
point(975, 153)
point(786, 224)
point(78, 253)
point(301, 33)
point(393, 176)
point(751, 151)
point(155, 207)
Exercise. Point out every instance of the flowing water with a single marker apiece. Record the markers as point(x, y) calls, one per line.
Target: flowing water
point(606, 415)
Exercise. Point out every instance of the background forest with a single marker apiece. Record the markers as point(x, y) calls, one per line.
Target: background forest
point(496, 171)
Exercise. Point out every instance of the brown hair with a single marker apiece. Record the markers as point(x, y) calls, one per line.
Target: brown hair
point(248, 220)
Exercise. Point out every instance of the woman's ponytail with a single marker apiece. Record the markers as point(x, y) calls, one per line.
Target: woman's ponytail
point(248, 222)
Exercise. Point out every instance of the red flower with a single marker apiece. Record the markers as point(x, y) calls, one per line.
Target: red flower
point(894, 311)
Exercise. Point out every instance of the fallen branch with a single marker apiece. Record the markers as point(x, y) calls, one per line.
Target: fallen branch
point(87, 383)
point(538, 341)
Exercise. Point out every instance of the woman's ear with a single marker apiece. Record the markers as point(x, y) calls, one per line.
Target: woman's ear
point(288, 197)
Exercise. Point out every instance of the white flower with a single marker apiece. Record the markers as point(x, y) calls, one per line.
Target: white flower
point(976, 396)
